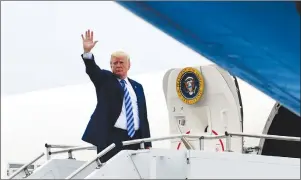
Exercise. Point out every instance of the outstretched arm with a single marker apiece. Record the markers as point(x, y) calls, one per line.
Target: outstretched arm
point(92, 69)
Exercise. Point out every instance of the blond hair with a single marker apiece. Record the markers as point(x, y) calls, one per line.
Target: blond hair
point(120, 54)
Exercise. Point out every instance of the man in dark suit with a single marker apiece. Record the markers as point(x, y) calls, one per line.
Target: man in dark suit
point(120, 112)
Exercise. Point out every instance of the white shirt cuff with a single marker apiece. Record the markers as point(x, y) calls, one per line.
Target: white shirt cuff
point(87, 55)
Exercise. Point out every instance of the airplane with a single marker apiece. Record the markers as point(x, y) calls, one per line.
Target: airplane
point(266, 125)
point(77, 111)
point(243, 46)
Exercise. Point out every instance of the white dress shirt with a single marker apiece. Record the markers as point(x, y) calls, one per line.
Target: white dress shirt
point(122, 121)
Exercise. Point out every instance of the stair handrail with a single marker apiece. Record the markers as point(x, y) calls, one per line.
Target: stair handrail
point(24, 167)
point(265, 136)
point(178, 136)
point(58, 146)
point(79, 148)
point(141, 141)
point(95, 159)
point(70, 150)
point(200, 137)
point(136, 141)
point(187, 136)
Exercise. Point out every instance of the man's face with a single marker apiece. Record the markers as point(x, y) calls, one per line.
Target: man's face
point(120, 66)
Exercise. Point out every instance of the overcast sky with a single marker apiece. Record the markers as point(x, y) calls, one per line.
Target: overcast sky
point(41, 43)
point(46, 94)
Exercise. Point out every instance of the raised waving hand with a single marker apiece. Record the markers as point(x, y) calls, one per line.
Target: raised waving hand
point(88, 42)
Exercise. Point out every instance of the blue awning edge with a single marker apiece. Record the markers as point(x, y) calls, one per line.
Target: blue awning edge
point(259, 42)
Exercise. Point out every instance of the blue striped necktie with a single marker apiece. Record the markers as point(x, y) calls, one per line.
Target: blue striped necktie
point(129, 110)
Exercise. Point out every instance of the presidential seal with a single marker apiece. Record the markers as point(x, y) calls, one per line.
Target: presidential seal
point(190, 85)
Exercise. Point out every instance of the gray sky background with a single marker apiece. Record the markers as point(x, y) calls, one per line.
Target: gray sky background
point(46, 94)
point(41, 43)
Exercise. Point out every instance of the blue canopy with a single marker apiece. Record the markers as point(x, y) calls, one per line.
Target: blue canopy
point(258, 42)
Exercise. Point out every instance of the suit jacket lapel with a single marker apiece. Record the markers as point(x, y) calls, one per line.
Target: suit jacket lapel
point(135, 89)
point(121, 92)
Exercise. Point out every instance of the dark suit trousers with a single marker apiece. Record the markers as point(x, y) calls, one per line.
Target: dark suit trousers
point(117, 136)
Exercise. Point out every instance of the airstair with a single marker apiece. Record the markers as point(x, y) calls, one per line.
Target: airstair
point(207, 139)
point(169, 163)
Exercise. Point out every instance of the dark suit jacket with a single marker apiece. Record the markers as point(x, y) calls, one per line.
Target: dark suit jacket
point(109, 105)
